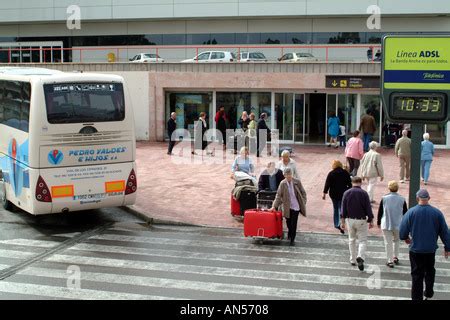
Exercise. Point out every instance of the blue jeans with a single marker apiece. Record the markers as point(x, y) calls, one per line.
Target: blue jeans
point(426, 165)
point(367, 139)
point(337, 212)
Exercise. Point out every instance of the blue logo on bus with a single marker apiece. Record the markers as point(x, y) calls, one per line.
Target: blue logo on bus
point(55, 157)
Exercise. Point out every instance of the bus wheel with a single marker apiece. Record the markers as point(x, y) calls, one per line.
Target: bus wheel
point(5, 203)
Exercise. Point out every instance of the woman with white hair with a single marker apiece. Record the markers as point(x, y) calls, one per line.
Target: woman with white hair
point(287, 162)
point(426, 157)
point(371, 168)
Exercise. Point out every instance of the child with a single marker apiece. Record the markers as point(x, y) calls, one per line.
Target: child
point(342, 136)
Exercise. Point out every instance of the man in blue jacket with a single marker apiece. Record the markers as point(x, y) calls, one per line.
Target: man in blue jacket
point(425, 224)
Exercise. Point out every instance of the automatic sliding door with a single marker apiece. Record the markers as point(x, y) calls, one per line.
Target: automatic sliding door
point(299, 119)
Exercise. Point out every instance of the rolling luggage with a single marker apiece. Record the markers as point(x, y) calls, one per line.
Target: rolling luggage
point(247, 201)
point(235, 207)
point(261, 224)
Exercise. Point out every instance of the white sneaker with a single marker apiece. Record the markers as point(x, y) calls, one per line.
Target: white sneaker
point(402, 181)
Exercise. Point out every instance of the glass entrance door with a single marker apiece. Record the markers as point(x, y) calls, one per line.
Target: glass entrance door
point(316, 115)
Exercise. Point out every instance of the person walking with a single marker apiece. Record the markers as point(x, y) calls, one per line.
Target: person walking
point(251, 134)
point(424, 223)
point(357, 216)
point(270, 178)
point(368, 127)
point(171, 127)
point(390, 213)
point(338, 181)
point(221, 123)
point(200, 138)
point(371, 168)
point(262, 126)
point(426, 157)
point(354, 151)
point(244, 121)
point(287, 162)
point(291, 196)
point(342, 136)
point(333, 129)
point(403, 153)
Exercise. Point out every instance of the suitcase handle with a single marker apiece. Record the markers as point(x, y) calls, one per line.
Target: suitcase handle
point(258, 233)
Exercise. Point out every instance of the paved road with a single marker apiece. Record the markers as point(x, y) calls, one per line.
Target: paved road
point(119, 257)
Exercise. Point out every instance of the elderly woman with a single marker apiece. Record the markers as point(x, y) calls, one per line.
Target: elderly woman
point(287, 162)
point(291, 196)
point(426, 157)
point(371, 168)
point(338, 181)
point(390, 213)
point(333, 129)
point(244, 121)
point(243, 163)
point(270, 178)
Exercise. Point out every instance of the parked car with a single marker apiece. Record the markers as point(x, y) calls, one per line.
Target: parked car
point(252, 57)
point(297, 57)
point(213, 56)
point(146, 57)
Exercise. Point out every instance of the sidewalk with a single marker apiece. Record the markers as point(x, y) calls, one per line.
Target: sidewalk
point(200, 194)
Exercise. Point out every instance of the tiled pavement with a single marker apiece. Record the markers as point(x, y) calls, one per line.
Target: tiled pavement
point(199, 193)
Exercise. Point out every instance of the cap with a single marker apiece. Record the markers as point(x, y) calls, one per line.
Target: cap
point(422, 194)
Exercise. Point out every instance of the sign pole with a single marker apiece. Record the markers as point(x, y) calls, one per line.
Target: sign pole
point(416, 150)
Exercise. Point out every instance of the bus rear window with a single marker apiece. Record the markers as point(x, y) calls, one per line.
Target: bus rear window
point(84, 102)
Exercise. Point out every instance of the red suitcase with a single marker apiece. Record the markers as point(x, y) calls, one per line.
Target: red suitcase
point(235, 207)
point(262, 224)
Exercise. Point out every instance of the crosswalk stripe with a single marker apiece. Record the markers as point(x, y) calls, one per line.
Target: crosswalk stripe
point(261, 249)
point(206, 286)
point(66, 293)
point(277, 261)
point(233, 272)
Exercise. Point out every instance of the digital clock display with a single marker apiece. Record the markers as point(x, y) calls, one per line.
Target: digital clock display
point(419, 106)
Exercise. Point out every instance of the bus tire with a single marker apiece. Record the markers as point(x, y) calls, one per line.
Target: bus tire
point(7, 205)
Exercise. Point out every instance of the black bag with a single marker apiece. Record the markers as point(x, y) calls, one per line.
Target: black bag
point(247, 201)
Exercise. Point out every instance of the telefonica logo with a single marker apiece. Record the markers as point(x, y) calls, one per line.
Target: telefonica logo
point(433, 76)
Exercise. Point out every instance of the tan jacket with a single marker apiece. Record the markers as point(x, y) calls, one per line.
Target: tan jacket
point(371, 165)
point(368, 124)
point(284, 200)
point(403, 147)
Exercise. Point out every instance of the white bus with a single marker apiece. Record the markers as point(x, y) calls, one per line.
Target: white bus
point(67, 141)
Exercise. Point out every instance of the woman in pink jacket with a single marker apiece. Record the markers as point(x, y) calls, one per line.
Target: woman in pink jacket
point(354, 152)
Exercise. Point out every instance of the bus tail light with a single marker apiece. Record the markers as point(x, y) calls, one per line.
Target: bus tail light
point(131, 183)
point(42, 191)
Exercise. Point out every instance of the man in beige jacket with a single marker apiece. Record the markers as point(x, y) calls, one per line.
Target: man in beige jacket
point(292, 197)
point(403, 153)
point(371, 168)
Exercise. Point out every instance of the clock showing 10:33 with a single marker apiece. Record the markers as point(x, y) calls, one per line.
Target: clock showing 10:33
point(431, 106)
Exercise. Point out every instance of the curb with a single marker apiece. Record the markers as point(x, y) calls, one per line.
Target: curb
point(152, 221)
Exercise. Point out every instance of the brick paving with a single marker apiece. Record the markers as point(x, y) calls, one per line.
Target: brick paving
point(199, 193)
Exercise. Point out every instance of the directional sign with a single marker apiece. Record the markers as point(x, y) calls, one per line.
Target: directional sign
point(353, 82)
point(416, 78)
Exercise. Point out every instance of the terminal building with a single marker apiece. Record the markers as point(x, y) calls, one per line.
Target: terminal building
point(340, 75)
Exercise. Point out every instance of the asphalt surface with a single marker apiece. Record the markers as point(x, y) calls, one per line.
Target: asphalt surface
point(111, 254)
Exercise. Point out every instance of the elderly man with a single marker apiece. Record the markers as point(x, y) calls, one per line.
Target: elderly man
point(292, 197)
point(425, 224)
point(371, 168)
point(403, 153)
point(356, 212)
point(171, 127)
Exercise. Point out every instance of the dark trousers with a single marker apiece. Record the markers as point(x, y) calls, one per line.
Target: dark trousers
point(353, 166)
point(342, 141)
point(171, 145)
point(292, 224)
point(337, 212)
point(422, 268)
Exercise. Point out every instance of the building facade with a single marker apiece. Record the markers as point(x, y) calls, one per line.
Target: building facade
point(298, 98)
